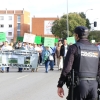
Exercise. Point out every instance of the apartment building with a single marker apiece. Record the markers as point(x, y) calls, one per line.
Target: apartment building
point(42, 26)
point(14, 23)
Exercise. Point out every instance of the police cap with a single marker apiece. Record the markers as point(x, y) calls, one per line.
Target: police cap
point(81, 30)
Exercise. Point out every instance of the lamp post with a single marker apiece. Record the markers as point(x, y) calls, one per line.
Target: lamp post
point(67, 21)
point(87, 11)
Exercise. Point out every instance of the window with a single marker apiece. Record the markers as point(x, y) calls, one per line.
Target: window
point(18, 18)
point(9, 17)
point(18, 26)
point(18, 33)
point(10, 25)
point(1, 17)
point(1, 25)
point(9, 33)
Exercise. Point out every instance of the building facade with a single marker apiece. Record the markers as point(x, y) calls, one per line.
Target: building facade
point(42, 26)
point(14, 23)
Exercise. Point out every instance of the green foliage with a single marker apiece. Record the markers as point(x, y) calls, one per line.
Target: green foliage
point(87, 20)
point(59, 27)
point(94, 35)
point(82, 15)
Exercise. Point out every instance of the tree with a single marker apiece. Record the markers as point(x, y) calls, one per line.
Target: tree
point(94, 35)
point(59, 27)
point(87, 20)
point(82, 15)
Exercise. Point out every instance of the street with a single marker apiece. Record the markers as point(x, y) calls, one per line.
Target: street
point(30, 85)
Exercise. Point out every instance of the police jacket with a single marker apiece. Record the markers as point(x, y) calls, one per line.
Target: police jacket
point(83, 65)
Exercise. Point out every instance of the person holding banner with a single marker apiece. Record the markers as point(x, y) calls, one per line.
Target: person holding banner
point(38, 50)
point(30, 47)
point(6, 47)
point(25, 46)
point(22, 47)
point(18, 45)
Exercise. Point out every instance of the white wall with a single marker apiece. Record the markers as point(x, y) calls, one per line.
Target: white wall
point(6, 23)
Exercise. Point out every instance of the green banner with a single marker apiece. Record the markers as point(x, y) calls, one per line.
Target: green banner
point(38, 39)
point(56, 40)
point(70, 40)
point(20, 38)
point(2, 37)
point(49, 41)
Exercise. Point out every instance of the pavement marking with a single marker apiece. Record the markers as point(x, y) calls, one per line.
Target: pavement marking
point(22, 76)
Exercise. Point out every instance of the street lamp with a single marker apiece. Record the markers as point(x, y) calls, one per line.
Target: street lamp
point(67, 21)
point(87, 11)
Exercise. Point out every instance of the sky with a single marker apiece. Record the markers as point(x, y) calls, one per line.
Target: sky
point(54, 8)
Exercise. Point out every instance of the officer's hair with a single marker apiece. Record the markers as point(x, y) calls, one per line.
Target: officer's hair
point(84, 35)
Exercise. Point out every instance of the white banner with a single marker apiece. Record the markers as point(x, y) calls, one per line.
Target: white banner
point(47, 27)
point(29, 38)
point(18, 58)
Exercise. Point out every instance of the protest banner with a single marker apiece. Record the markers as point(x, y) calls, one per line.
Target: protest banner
point(38, 39)
point(56, 40)
point(70, 40)
point(18, 58)
point(2, 37)
point(29, 38)
point(49, 41)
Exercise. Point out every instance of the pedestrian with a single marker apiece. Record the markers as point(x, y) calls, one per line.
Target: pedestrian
point(84, 58)
point(59, 60)
point(6, 47)
point(63, 50)
point(46, 58)
point(38, 50)
point(53, 51)
point(20, 47)
point(52, 54)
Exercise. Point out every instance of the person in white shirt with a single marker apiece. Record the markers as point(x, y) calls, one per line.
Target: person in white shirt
point(30, 47)
point(6, 47)
point(25, 46)
point(38, 50)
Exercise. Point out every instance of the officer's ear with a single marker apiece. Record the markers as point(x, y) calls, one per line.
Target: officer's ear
point(76, 37)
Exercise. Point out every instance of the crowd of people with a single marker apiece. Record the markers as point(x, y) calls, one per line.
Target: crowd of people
point(47, 56)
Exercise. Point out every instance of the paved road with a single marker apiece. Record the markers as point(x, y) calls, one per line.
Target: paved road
point(30, 86)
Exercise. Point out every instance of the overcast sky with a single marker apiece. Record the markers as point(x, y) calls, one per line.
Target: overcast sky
point(54, 8)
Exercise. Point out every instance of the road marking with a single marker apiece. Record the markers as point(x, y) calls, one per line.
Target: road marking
point(22, 76)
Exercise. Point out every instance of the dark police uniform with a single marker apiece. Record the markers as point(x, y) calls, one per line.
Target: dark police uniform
point(84, 58)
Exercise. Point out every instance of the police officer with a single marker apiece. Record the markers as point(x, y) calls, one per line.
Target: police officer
point(84, 58)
